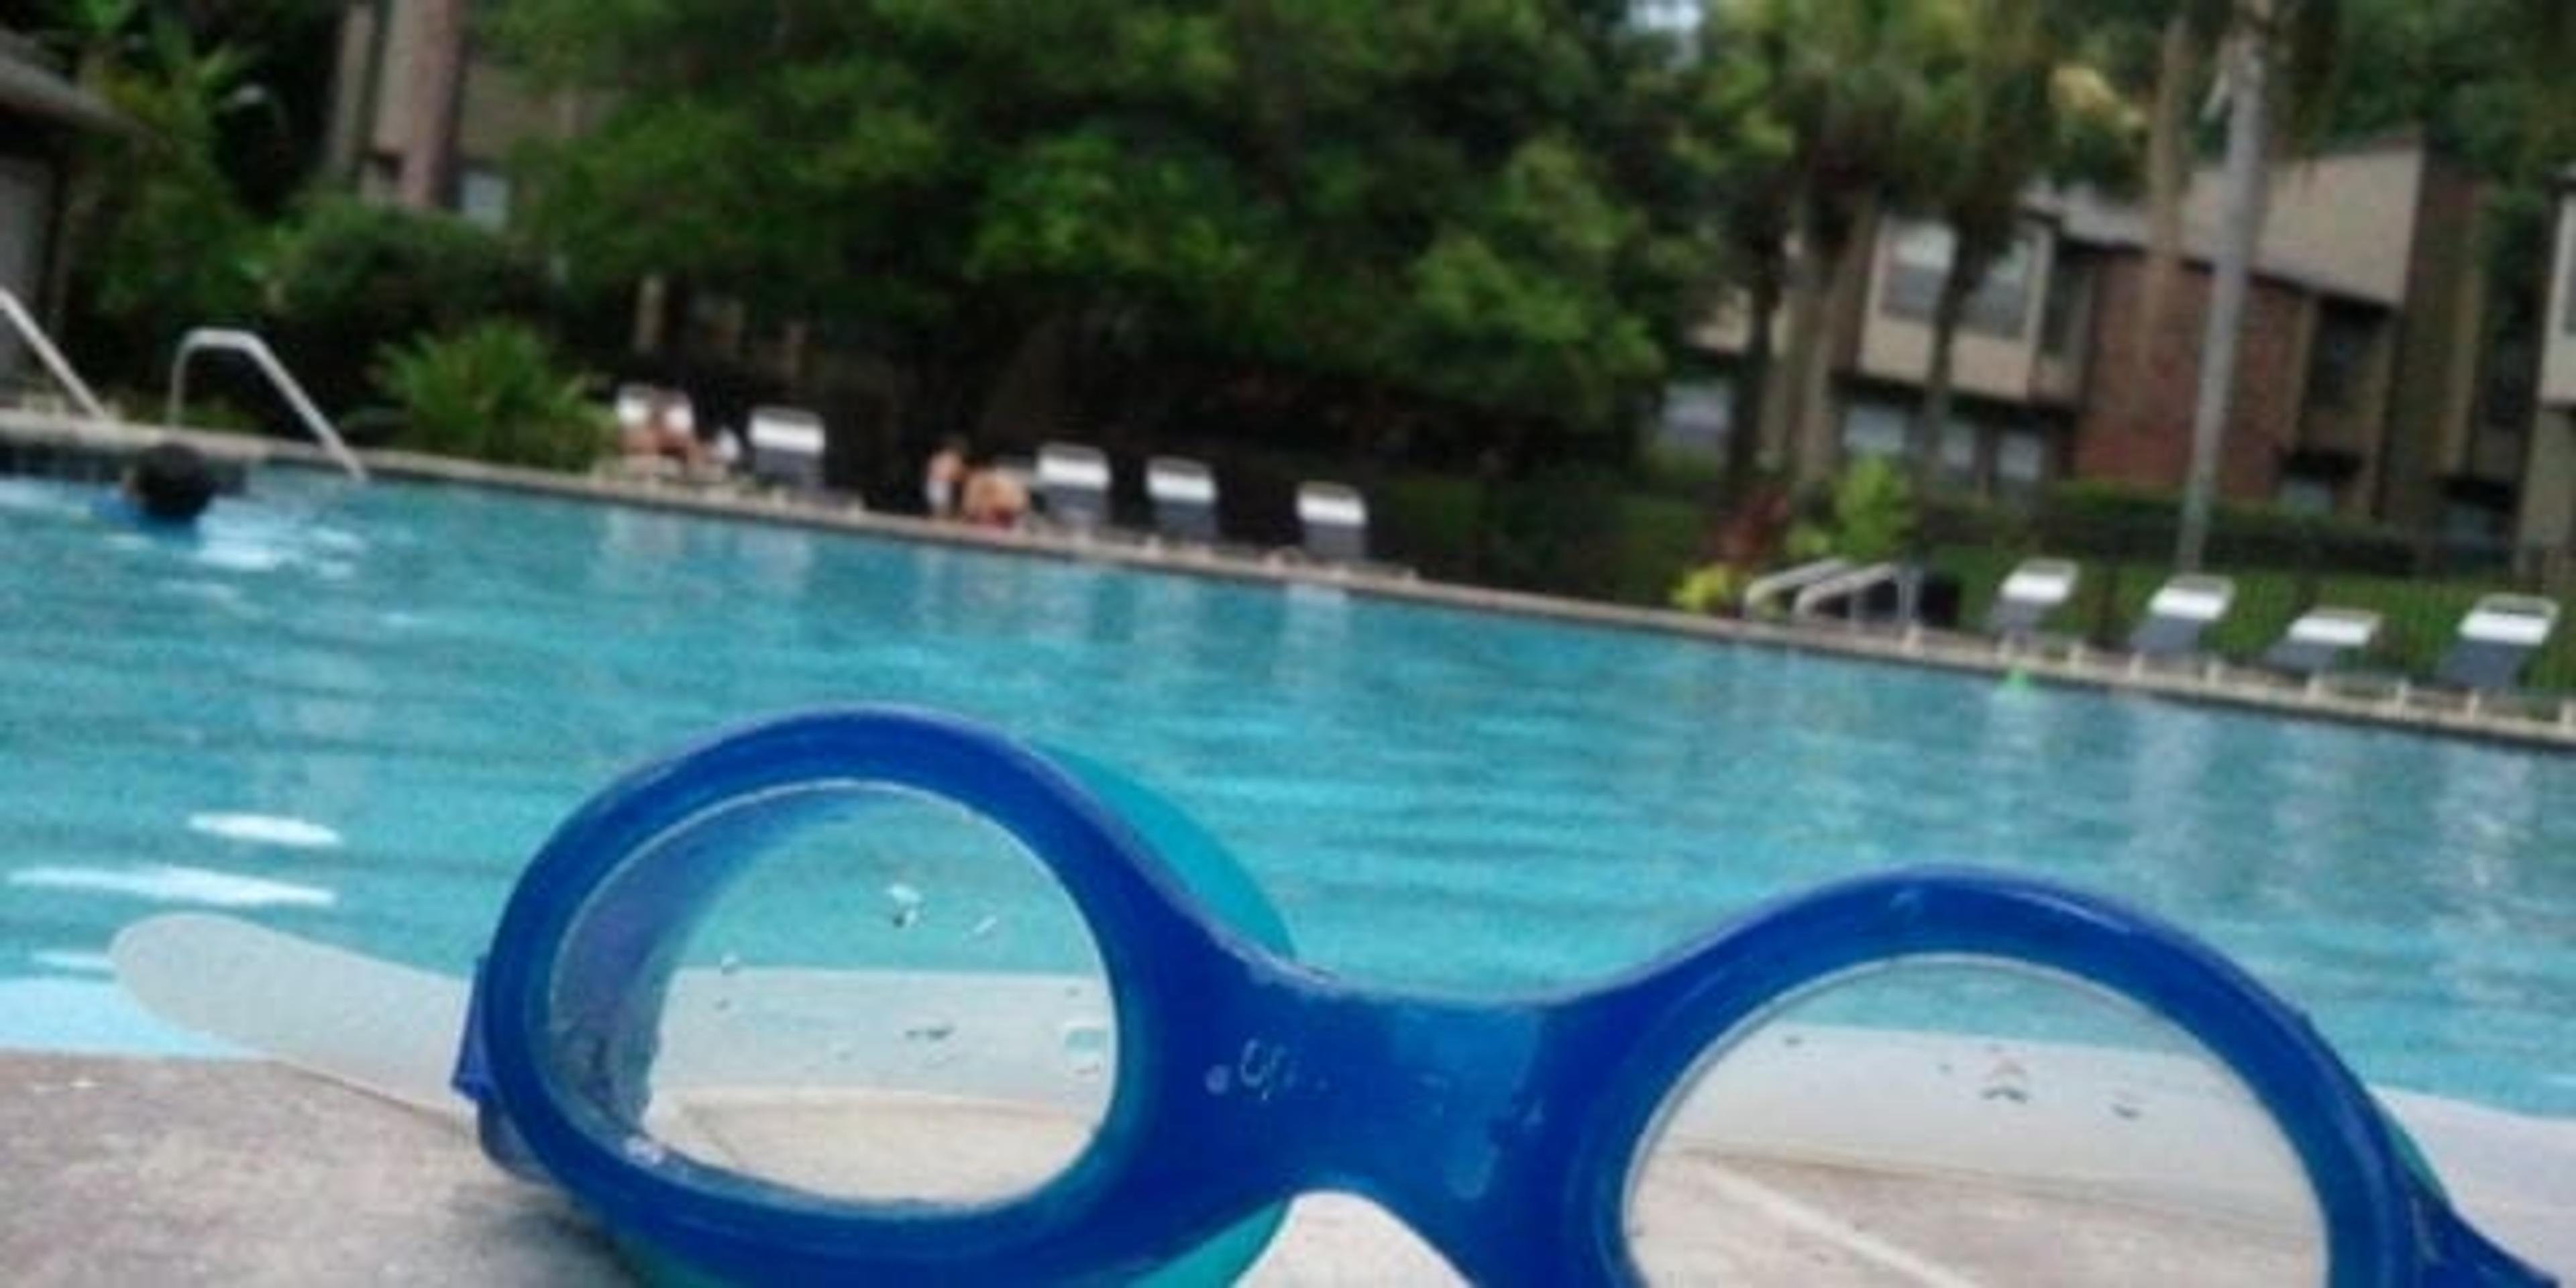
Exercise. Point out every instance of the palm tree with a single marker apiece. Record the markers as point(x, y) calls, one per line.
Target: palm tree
point(2016, 110)
point(1848, 79)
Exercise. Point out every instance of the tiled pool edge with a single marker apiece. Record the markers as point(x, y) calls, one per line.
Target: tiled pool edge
point(2230, 687)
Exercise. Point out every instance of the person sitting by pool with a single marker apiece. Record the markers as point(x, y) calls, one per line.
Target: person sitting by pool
point(993, 498)
point(168, 483)
point(944, 477)
point(668, 431)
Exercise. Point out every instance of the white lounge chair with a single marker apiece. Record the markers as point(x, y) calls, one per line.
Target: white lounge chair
point(1073, 485)
point(1184, 495)
point(2322, 640)
point(2496, 641)
point(2035, 589)
point(1333, 521)
point(787, 446)
point(2182, 610)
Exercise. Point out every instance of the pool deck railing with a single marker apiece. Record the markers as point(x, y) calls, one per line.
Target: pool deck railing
point(2541, 721)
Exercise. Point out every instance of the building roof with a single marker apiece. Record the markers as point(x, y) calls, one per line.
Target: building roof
point(2342, 222)
point(29, 88)
point(2086, 218)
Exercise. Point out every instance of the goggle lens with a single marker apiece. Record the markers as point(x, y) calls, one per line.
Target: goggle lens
point(885, 997)
point(1956, 1121)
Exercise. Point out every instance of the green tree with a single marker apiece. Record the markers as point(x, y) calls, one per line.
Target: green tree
point(1745, 152)
point(164, 241)
point(1436, 200)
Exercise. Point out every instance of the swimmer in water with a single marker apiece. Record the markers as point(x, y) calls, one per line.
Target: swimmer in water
point(168, 483)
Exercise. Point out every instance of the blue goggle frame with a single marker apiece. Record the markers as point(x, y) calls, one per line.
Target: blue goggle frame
point(1504, 1133)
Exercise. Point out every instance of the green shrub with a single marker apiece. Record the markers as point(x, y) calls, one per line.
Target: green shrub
point(346, 278)
point(493, 393)
point(1655, 534)
point(1710, 588)
point(1568, 532)
point(1557, 532)
point(1872, 517)
point(2093, 518)
point(1873, 511)
point(1429, 521)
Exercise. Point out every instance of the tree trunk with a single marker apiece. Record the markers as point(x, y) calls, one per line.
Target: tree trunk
point(1785, 391)
point(1746, 401)
point(2168, 182)
point(429, 98)
point(1932, 419)
point(2247, 139)
point(1842, 270)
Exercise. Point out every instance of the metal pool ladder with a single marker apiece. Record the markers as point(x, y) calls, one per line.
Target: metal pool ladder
point(1847, 586)
point(252, 347)
point(43, 347)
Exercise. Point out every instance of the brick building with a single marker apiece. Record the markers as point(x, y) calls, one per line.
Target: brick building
point(2359, 388)
point(419, 115)
point(2549, 470)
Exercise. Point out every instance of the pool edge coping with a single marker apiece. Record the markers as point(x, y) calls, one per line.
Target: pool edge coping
point(2398, 705)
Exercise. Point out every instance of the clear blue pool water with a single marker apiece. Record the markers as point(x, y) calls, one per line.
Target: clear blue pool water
point(350, 714)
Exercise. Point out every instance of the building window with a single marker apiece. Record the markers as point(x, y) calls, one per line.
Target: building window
point(2070, 297)
point(2509, 385)
point(1696, 416)
point(2306, 494)
point(483, 196)
point(2339, 358)
point(2021, 462)
point(1919, 259)
point(1874, 429)
point(1959, 453)
point(2472, 523)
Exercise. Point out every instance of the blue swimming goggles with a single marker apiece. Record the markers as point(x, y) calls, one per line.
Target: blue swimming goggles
point(1514, 1137)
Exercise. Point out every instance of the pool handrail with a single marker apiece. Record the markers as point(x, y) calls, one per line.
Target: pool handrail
point(1846, 586)
point(43, 347)
point(1758, 596)
point(249, 345)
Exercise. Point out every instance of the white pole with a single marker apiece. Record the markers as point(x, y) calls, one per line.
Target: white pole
point(2247, 129)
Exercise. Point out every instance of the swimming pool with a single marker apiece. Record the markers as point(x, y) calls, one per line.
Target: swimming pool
point(351, 714)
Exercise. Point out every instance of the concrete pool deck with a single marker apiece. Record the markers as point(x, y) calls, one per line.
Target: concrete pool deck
point(126, 1170)
point(183, 1171)
point(2539, 721)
